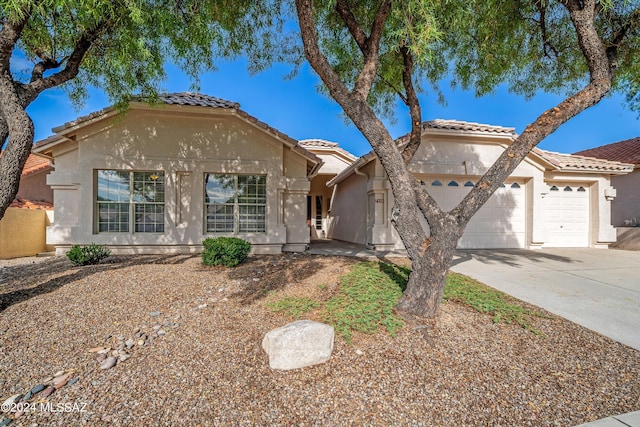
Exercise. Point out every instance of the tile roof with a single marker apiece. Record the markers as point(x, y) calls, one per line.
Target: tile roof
point(190, 99)
point(34, 164)
point(466, 126)
point(627, 151)
point(569, 162)
point(321, 144)
point(22, 203)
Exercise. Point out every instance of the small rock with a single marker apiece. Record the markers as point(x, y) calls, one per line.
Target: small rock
point(57, 374)
point(359, 352)
point(114, 352)
point(61, 380)
point(120, 338)
point(72, 381)
point(97, 349)
point(156, 327)
point(47, 391)
point(11, 401)
point(225, 299)
point(256, 279)
point(154, 313)
point(139, 334)
point(201, 306)
point(101, 358)
point(162, 332)
point(27, 396)
point(129, 343)
point(124, 357)
point(136, 330)
point(110, 362)
point(140, 343)
point(221, 290)
point(5, 422)
point(37, 389)
point(46, 380)
point(105, 350)
point(18, 414)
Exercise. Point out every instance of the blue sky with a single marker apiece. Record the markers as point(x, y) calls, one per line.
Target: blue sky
point(295, 107)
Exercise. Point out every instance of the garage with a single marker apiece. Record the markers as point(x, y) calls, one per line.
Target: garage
point(500, 223)
point(566, 214)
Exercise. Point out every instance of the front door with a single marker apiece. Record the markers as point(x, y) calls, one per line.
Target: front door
point(316, 216)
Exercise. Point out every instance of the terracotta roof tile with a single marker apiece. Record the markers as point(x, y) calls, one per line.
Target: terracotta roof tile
point(22, 203)
point(33, 164)
point(627, 151)
point(582, 163)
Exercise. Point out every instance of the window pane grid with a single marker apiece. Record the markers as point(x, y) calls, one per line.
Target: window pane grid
point(235, 203)
point(119, 192)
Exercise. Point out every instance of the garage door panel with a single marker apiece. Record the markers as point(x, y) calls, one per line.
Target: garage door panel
point(566, 215)
point(500, 223)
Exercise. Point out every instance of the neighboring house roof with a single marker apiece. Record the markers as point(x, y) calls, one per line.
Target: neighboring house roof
point(185, 99)
point(35, 163)
point(627, 151)
point(555, 161)
point(22, 203)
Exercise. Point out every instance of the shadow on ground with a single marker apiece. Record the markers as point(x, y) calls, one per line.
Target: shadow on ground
point(260, 275)
point(510, 257)
point(16, 287)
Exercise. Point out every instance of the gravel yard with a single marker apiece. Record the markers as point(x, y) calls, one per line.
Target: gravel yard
point(206, 365)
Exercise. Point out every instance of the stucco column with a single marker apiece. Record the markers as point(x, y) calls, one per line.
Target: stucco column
point(537, 189)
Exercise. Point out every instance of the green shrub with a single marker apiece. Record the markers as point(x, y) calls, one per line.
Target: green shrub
point(86, 255)
point(227, 251)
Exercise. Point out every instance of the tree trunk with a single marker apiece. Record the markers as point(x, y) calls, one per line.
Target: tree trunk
point(19, 127)
point(429, 271)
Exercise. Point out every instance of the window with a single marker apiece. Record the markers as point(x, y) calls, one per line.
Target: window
point(129, 200)
point(436, 183)
point(554, 188)
point(581, 189)
point(453, 184)
point(469, 184)
point(567, 188)
point(235, 203)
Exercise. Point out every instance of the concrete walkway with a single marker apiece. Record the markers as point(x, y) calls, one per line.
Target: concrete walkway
point(596, 288)
point(631, 419)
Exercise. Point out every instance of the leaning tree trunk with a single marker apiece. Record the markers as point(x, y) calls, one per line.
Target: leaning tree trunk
point(15, 124)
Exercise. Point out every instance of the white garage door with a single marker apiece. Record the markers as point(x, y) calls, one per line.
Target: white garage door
point(566, 216)
point(500, 223)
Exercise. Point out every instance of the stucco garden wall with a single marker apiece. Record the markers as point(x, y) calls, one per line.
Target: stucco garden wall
point(626, 205)
point(22, 232)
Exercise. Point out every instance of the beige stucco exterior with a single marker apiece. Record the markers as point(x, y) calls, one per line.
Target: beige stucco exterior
point(626, 207)
point(363, 200)
point(186, 142)
point(22, 232)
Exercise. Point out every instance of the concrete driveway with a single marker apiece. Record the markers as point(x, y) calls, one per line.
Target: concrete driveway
point(596, 288)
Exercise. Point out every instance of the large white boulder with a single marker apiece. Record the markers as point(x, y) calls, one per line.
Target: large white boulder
point(298, 344)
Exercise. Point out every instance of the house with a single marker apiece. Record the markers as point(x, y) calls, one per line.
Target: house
point(550, 200)
point(625, 209)
point(23, 227)
point(162, 178)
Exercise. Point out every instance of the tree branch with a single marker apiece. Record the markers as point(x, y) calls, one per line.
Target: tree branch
point(73, 62)
point(352, 24)
point(9, 35)
point(601, 75)
point(414, 106)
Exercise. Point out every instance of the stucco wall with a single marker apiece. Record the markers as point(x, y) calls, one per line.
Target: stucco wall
point(626, 205)
point(34, 187)
point(348, 211)
point(186, 146)
point(22, 232)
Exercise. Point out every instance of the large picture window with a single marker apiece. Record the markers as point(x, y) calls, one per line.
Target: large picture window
point(129, 201)
point(235, 203)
